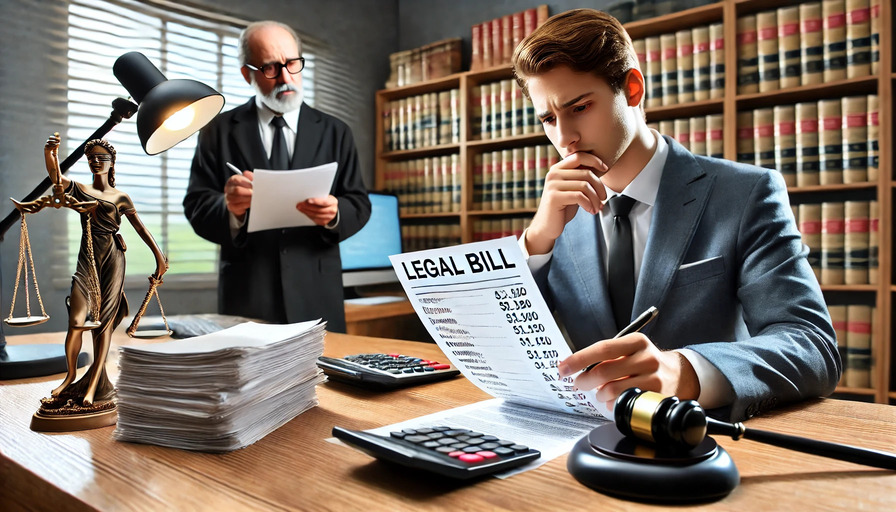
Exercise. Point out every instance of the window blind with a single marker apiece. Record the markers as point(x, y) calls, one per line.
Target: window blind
point(183, 42)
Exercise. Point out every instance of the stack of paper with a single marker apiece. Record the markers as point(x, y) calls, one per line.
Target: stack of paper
point(220, 391)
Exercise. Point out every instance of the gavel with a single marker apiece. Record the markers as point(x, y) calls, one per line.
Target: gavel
point(669, 422)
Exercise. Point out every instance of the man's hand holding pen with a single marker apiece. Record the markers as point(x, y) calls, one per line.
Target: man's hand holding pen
point(631, 360)
point(238, 193)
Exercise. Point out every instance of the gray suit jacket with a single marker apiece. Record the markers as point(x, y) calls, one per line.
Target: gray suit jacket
point(278, 275)
point(726, 267)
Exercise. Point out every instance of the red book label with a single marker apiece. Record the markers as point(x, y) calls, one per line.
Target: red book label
point(833, 226)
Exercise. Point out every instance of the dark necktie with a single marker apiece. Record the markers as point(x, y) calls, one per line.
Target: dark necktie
point(622, 261)
point(279, 151)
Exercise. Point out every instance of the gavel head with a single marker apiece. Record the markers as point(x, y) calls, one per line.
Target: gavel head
point(663, 420)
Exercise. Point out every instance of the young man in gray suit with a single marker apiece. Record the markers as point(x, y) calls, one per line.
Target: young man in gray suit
point(742, 323)
point(278, 275)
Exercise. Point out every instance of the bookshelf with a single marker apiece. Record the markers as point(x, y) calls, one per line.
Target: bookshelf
point(879, 292)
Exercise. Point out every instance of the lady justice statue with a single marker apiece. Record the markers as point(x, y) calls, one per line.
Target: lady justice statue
point(97, 302)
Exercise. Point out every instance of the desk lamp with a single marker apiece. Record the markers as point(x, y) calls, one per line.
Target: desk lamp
point(169, 111)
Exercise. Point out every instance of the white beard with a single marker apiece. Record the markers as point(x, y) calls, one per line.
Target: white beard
point(282, 106)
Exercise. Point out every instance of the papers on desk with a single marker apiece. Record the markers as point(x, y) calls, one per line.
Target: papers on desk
point(276, 193)
point(221, 391)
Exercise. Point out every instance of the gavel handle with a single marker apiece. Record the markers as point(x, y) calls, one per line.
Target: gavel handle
point(874, 458)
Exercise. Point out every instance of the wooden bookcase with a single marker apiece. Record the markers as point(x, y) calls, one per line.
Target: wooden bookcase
point(883, 388)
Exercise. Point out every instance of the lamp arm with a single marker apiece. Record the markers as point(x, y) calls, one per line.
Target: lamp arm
point(121, 109)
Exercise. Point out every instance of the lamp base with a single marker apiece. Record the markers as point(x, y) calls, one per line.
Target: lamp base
point(611, 463)
point(24, 361)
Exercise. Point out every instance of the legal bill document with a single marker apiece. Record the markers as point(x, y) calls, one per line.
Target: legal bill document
point(276, 193)
point(480, 304)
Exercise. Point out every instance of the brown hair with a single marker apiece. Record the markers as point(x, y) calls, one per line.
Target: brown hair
point(585, 40)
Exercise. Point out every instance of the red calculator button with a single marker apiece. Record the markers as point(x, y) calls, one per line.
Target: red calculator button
point(471, 457)
point(485, 454)
point(456, 453)
point(441, 366)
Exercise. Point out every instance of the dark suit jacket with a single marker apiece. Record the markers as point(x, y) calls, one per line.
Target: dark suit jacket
point(726, 267)
point(278, 275)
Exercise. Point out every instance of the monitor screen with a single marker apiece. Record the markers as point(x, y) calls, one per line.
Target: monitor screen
point(365, 255)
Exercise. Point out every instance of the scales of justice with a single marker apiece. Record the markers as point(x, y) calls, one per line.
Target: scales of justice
point(97, 302)
point(169, 112)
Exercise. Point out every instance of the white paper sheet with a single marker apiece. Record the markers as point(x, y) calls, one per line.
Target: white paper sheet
point(276, 193)
point(481, 305)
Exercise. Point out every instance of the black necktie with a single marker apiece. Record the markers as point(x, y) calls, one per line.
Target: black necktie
point(622, 261)
point(279, 151)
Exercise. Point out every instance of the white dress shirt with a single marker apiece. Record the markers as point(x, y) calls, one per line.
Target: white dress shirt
point(714, 389)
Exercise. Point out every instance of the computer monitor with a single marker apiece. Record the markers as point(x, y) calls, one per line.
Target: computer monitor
point(365, 255)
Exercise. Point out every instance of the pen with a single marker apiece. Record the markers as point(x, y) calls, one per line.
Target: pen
point(234, 168)
point(638, 324)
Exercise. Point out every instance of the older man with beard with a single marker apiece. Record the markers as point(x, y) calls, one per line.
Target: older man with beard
point(282, 275)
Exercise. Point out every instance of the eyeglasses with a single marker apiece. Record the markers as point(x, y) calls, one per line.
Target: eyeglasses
point(272, 70)
point(99, 157)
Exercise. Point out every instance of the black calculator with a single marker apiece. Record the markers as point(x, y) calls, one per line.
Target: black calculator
point(453, 452)
point(385, 371)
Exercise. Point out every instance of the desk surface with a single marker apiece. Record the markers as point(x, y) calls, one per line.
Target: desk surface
point(294, 468)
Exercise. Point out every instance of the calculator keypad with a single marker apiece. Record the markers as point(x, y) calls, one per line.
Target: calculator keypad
point(397, 363)
point(464, 445)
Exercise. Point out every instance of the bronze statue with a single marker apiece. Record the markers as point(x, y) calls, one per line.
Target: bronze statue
point(97, 301)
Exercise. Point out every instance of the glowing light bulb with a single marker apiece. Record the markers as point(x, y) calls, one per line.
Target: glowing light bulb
point(180, 119)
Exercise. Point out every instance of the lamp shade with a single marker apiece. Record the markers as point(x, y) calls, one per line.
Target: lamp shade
point(169, 110)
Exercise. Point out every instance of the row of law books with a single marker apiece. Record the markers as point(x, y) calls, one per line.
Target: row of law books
point(435, 60)
point(855, 326)
point(827, 142)
point(500, 109)
point(422, 121)
point(429, 235)
point(843, 238)
point(511, 178)
point(489, 229)
point(683, 66)
point(425, 185)
point(493, 41)
point(701, 135)
point(810, 43)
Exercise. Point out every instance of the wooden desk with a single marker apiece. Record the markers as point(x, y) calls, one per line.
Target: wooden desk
point(395, 320)
point(294, 468)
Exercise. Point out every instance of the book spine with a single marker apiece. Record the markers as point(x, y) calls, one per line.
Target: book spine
point(485, 96)
point(682, 132)
point(454, 104)
point(702, 71)
point(873, 242)
point(785, 142)
point(428, 190)
point(789, 50)
point(477, 182)
point(838, 320)
point(542, 14)
point(476, 120)
point(530, 122)
point(810, 228)
point(767, 48)
point(530, 21)
point(476, 44)
point(855, 139)
point(516, 33)
point(807, 144)
point(834, 15)
point(684, 55)
point(488, 180)
point(497, 43)
point(669, 64)
point(487, 59)
point(873, 138)
point(747, 55)
point(874, 9)
point(858, 345)
point(529, 169)
point(518, 179)
point(716, 61)
point(698, 135)
point(811, 43)
point(855, 242)
point(832, 234)
point(858, 38)
point(506, 38)
point(506, 93)
point(517, 108)
point(497, 116)
point(830, 142)
point(506, 202)
point(715, 126)
point(654, 71)
point(764, 133)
